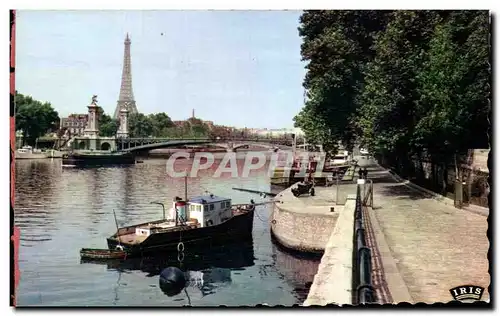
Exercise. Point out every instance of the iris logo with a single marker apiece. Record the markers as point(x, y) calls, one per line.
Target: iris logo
point(467, 293)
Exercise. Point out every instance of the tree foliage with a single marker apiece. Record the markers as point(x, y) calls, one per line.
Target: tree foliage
point(336, 46)
point(160, 125)
point(404, 83)
point(108, 126)
point(34, 118)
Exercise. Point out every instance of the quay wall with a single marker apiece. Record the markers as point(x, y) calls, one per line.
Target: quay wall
point(303, 232)
point(333, 282)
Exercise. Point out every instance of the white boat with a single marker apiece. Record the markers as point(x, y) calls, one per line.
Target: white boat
point(198, 222)
point(28, 152)
point(341, 158)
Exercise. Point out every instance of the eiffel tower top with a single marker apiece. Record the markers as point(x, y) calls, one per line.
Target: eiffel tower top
point(126, 97)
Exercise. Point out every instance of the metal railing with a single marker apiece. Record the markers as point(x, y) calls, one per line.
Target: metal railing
point(367, 199)
point(362, 269)
point(130, 142)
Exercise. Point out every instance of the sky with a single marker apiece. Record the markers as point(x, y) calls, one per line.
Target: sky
point(235, 68)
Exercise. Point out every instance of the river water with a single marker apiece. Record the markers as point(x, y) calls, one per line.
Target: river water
point(60, 210)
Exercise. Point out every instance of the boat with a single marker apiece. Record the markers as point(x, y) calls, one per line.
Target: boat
point(28, 152)
point(233, 255)
point(97, 158)
point(91, 253)
point(340, 159)
point(205, 271)
point(197, 223)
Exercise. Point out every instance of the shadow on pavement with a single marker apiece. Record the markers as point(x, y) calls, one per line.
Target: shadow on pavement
point(392, 188)
point(401, 191)
point(381, 178)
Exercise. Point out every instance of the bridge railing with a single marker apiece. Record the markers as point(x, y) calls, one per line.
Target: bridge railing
point(362, 269)
point(215, 140)
point(130, 142)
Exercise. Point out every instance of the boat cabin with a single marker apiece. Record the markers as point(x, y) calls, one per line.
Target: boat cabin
point(341, 158)
point(209, 210)
point(28, 150)
point(198, 212)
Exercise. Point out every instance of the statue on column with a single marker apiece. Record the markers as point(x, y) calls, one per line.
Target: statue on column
point(94, 100)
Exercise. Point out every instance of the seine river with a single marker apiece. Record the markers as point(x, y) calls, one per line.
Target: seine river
point(61, 210)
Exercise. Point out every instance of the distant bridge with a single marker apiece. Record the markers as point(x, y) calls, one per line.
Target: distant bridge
point(149, 143)
point(165, 144)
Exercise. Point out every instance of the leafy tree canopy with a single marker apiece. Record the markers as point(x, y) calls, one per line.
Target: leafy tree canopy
point(107, 125)
point(404, 83)
point(34, 118)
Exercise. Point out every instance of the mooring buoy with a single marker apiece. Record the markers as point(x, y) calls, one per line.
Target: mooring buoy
point(172, 281)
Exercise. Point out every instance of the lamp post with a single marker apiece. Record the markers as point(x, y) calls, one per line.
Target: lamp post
point(337, 195)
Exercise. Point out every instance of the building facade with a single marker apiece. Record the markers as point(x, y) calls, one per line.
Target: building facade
point(75, 123)
point(276, 133)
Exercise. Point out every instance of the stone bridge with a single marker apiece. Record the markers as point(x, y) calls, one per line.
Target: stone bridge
point(147, 144)
point(232, 146)
point(136, 146)
point(140, 144)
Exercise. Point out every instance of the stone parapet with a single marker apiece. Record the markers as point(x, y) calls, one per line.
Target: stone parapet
point(302, 231)
point(333, 282)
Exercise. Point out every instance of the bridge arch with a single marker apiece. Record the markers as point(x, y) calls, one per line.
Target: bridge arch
point(105, 146)
point(253, 144)
point(147, 144)
point(167, 144)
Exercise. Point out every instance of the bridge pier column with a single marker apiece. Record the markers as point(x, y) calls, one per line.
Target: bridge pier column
point(230, 147)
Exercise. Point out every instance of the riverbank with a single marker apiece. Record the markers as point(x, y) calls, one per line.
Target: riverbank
point(333, 282)
point(293, 217)
point(321, 224)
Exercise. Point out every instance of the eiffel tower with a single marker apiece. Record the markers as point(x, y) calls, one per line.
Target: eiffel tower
point(126, 97)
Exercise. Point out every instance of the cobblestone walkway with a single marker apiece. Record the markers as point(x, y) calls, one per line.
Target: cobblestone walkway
point(436, 247)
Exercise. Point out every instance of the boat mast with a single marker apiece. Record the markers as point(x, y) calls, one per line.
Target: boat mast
point(117, 229)
point(185, 188)
point(176, 214)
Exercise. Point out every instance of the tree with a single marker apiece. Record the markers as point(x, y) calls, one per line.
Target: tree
point(316, 128)
point(471, 32)
point(454, 91)
point(161, 123)
point(107, 125)
point(34, 118)
point(140, 125)
point(387, 118)
point(426, 93)
point(220, 132)
point(337, 45)
point(408, 84)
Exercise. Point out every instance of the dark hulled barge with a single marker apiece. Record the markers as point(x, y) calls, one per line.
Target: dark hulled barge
point(201, 222)
point(97, 158)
